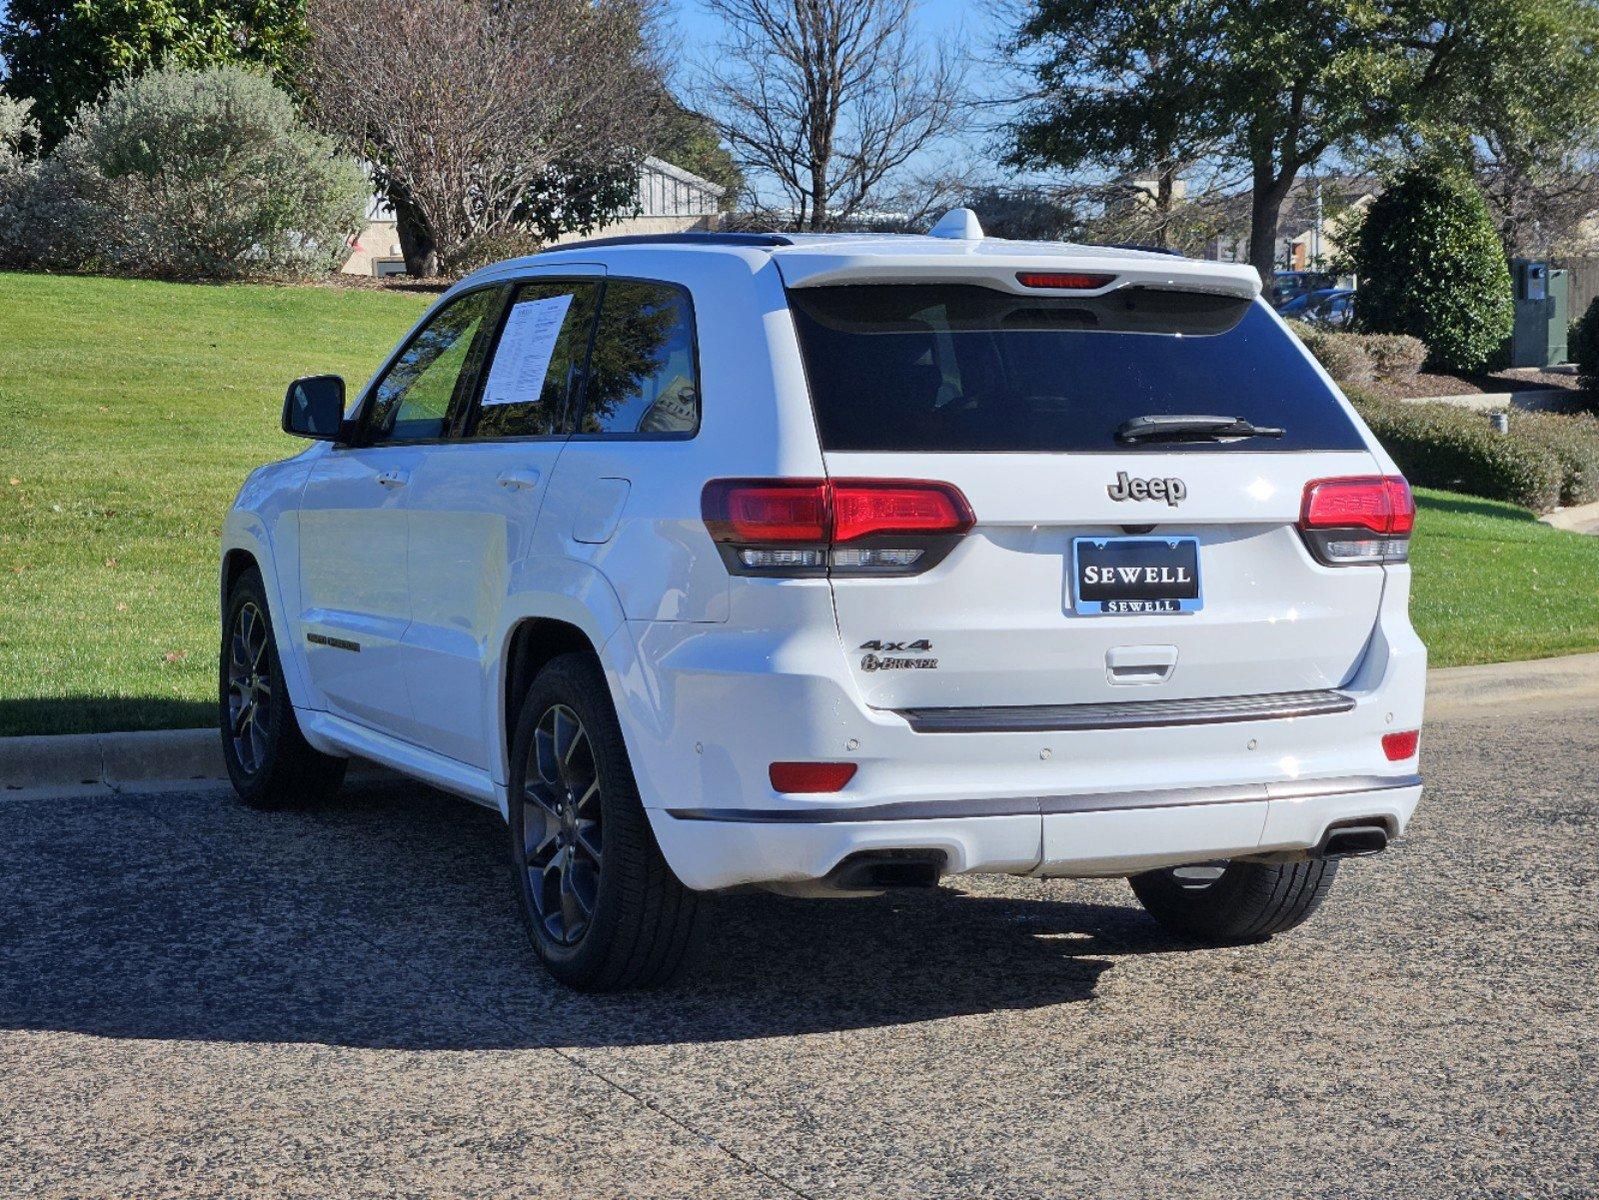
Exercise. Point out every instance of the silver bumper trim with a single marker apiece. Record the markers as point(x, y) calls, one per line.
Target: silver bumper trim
point(1035, 806)
point(1128, 714)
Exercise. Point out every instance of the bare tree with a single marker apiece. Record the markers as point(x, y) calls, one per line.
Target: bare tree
point(470, 110)
point(1539, 195)
point(828, 100)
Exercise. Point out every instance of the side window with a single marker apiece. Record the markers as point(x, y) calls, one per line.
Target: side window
point(542, 344)
point(413, 399)
point(643, 375)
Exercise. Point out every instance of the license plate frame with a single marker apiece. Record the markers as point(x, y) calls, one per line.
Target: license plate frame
point(1142, 597)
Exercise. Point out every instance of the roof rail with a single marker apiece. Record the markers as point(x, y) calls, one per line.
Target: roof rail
point(752, 240)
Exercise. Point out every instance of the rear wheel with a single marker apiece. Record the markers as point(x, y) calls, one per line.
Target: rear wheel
point(268, 759)
point(603, 908)
point(1235, 901)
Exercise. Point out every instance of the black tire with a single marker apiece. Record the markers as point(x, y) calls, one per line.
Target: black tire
point(269, 761)
point(1246, 901)
point(611, 916)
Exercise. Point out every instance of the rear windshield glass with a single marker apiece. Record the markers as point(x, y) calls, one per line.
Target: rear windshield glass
point(962, 368)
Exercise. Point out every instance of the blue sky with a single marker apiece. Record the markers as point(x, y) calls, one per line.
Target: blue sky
point(972, 24)
point(936, 17)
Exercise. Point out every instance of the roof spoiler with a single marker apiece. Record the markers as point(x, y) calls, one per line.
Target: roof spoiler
point(1000, 265)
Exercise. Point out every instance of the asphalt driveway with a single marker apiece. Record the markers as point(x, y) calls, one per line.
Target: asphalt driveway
point(196, 1000)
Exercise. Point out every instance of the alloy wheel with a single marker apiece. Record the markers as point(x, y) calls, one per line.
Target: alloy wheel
point(249, 688)
point(561, 826)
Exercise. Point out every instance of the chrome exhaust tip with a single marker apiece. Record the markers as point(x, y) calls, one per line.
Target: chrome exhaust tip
point(1349, 841)
point(879, 870)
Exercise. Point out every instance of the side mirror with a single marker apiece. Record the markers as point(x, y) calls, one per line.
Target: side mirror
point(314, 407)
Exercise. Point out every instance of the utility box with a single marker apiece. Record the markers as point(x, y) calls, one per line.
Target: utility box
point(1542, 310)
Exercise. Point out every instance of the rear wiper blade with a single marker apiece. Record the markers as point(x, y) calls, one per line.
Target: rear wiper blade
point(1188, 427)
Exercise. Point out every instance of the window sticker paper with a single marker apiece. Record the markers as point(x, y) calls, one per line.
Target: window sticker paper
point(526, 347)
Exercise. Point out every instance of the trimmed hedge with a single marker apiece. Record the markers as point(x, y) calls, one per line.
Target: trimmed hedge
point(1574, 443)
point(1341, 354)
point(1361, 357)
point(1395, 355)
point(1545, 461)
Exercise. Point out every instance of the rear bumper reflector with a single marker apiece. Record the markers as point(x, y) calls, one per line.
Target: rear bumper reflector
point(1036, 806)
point(1127, 714)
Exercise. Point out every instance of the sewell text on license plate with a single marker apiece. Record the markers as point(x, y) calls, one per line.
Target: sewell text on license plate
point(1126, 576)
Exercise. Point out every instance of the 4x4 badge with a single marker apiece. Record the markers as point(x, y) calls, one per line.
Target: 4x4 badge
point(1171, 489)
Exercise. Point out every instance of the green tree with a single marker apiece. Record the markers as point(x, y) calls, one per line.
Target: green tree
point(1431, 264)
point(63, 54)
point(1279, 84)
point(1127, 85)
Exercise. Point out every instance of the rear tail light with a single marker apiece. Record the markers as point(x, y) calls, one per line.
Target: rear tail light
point(774, 510)
point(1364, 519)
point(1401, 746)
point(812, 777)
point(847, 526)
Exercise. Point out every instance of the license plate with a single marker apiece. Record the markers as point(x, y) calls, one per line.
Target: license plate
point(1126, 576)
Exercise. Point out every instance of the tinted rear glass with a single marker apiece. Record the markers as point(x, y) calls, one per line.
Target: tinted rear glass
point(964, 368)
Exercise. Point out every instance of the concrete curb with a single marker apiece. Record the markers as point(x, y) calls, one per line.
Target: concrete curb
point(1484, 690)
point(157, 760)
point(181, 759)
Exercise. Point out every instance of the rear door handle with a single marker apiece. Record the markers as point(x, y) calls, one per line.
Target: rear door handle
point(519, 479)
point(1140, 664)
point(394, 477)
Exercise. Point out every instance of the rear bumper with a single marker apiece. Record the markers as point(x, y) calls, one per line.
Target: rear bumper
point(1079, 834)
point(1075, 790)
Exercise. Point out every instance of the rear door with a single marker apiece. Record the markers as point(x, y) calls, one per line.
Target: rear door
point(1200, 583)
point(617, 500)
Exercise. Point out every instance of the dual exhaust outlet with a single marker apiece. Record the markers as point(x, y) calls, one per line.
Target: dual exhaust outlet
point(870, 871)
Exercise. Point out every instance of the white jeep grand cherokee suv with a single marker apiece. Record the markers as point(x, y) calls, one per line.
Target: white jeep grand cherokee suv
point(836, 563)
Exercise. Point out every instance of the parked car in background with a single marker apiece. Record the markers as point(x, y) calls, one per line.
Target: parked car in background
point(827, 564)
point(1288, 285)
point(1333, 307)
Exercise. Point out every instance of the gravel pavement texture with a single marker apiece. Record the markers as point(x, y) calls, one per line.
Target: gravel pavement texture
point(198, 1001)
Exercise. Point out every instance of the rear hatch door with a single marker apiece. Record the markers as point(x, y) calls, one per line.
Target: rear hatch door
point(1101, 566)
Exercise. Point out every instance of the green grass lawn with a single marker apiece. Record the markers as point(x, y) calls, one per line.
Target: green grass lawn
point(130, 412)
point(1494, 584)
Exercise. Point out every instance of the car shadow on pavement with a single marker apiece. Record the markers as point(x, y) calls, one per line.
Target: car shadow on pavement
point(388, 920)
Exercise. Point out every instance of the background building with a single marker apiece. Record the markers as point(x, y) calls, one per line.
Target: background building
point(670, 200)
